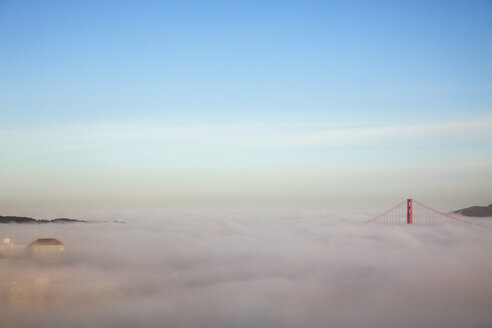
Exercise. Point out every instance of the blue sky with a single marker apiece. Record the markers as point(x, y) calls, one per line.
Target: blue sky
point(340, 103)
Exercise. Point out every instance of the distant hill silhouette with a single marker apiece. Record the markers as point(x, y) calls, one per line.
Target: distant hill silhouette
point(477, 211)
point(24, 219)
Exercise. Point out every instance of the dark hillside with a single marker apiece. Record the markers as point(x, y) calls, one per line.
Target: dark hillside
point(23, 219)
point(476, 211)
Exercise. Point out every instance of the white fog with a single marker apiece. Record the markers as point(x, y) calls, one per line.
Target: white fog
point(250, 269)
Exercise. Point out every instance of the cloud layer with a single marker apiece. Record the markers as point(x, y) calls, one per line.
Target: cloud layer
point(145, 164)
point(265, 269)
point(211, 138)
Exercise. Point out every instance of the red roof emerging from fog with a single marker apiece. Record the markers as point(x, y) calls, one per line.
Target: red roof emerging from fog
point(46, 241)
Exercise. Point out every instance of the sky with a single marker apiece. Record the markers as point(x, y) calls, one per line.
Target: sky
point(312, 104)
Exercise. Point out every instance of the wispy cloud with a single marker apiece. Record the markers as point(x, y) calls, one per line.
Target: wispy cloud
point(217, 137)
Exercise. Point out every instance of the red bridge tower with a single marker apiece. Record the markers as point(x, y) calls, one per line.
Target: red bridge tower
point(409, 211)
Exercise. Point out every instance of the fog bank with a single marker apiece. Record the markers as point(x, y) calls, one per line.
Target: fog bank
point(263, 269)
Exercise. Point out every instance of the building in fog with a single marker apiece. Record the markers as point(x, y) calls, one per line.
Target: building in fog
point(46, 249)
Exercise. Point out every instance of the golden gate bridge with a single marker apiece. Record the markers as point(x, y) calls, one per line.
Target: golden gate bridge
point(411, 211)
